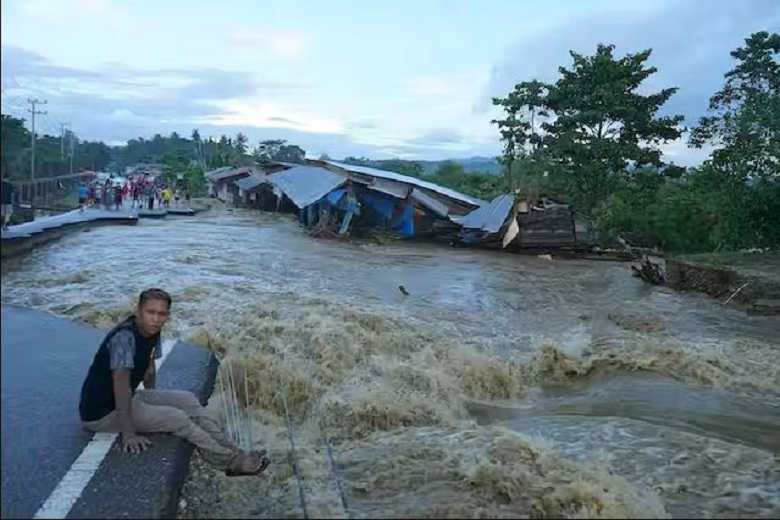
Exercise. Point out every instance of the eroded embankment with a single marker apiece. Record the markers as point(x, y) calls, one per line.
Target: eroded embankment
point(757, 293)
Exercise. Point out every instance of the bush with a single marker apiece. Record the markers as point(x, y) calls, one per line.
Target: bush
point(703, 211)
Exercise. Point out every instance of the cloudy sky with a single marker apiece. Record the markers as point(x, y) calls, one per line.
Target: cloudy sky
point(409, 79)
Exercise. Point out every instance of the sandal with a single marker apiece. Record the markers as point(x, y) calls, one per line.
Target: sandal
point(234, 469)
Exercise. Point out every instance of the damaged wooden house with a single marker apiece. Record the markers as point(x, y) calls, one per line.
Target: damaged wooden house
point(338, 200)
point(519, 223)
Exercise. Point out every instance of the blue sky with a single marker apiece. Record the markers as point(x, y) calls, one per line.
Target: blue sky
point(404, 79)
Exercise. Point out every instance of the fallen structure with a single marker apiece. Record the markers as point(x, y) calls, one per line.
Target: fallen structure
point(337, 200)
point(221, 183)
point(516, 222)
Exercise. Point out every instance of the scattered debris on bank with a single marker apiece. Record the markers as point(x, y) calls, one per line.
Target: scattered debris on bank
point(650, 272)
point(336, 200)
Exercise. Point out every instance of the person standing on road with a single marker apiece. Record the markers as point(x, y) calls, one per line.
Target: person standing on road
point(83, 196)
point(149, 192)
point(8, 196)
point(106, 195)
point(117, 198)
point(111, 401)
point(166, 196)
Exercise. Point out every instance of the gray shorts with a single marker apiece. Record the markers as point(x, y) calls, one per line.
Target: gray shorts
point(7, 210)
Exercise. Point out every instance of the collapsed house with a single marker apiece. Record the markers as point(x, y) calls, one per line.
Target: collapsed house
point(517, 222)
point(221, 182)
point(398, 203)
point(337, 200)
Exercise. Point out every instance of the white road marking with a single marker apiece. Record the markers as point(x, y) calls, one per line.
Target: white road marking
point(72, 485)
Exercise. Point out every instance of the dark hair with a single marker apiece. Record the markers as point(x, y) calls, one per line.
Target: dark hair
point(154, 294)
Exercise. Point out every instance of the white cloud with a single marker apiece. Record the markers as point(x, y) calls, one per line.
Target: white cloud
point(679, 153)
point(429, 86)
point(58, 8)
point(127, 117)
point(283, 44)
point(262, 114)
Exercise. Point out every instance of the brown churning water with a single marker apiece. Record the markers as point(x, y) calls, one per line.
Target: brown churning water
point(501, 386)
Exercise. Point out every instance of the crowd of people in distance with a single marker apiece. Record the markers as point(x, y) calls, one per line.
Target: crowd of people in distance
point(140, 191)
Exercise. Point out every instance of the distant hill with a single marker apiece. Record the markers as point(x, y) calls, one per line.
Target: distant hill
point(471, 164)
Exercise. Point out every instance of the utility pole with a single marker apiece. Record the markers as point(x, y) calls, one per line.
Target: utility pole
point(62, 139)
point(34, 112)
point(70, 135)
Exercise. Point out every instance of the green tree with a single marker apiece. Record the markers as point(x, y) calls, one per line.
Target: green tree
point(602, 122)
point(290, 153)
point(14, 153)
point(450, 173)
point(598, 124)
point(267, 149)
point(410, 168)
point(525, 110)
point(240, 144)
point(194, 181)
point(744, 123)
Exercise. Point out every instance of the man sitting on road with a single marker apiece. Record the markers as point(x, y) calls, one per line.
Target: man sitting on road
point(111, 403)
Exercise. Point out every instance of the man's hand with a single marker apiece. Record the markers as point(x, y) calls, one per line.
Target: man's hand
point(134, 443)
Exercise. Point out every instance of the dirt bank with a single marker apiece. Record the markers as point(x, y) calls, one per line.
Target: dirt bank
point(749, 281)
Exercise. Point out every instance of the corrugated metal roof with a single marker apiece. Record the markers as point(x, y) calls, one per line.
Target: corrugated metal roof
point(253, 181)
point(374, 172)
point(306, 185)
point(224, 174)
point(398, 190)
point(217, 171)
point(430, 203)
point(489, 218)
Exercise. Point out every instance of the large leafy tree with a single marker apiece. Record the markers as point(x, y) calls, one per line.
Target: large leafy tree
point(525, 110)
point(744, 120)
point(278, 150)
point(595, 123)
point(14, 149)
point(267, 149)
point(240, 144)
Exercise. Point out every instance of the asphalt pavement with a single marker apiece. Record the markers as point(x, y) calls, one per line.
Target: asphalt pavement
point(44, 362)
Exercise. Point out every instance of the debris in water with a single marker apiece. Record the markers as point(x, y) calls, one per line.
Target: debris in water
point(649, 272)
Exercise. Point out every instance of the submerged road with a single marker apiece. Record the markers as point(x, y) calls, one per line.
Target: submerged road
point(44, 361)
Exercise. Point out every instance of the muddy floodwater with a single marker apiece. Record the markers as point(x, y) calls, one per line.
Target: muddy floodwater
point(500, 386)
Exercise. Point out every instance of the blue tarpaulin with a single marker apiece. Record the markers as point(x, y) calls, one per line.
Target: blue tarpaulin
point(404, 223)
point(334, 197)
point(382, 204)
